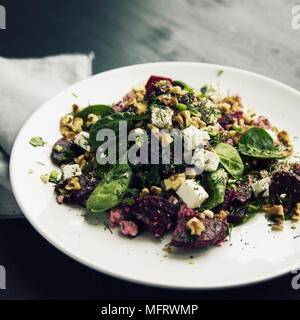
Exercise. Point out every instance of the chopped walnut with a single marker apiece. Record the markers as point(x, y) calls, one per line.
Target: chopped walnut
point(179, 120)
point(156, 190)
point(285, 137)
point(274, 211)
point(224, 107)
point(277, 227)
point(164, 138)
point(92, 119)
point(176, 90)
point(186, 115)
point(249, 116)
point(196, 226)
point(141, 107)
point(81, 161)
point(296, 212)
point(198, 123)
point(70, 126)
point(222, 214)
point(73, 184)
point(175, 181)
point(168, 101)
point(45, 178)
point(75, 109)
point(77, 125)
point(201, 215)
point(144, 193)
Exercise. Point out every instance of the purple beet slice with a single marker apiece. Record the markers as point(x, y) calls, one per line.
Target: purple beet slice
point(64, 152)
point(87, 182)
point(156, 214)
point(288, 183)
point(215, 231)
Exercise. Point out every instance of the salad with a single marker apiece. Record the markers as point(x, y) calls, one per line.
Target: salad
point(168, 158)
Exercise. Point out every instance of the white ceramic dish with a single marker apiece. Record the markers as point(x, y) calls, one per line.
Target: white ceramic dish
point(256, 253)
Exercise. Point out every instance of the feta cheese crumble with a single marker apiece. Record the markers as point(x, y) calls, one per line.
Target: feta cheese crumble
point(215, 92)
point(162, 118)
point(194, 137)
point(192, 193)
point(70, 170)
point(82, 140)
point(261, 186)
point(205, 160)
point(209, 214)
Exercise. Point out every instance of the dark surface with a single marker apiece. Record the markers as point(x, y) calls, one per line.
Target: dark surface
point(237, 33)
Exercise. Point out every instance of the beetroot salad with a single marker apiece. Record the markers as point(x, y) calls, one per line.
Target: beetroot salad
point(171, 159)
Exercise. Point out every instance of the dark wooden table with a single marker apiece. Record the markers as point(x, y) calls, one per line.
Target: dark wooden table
point(254, 35)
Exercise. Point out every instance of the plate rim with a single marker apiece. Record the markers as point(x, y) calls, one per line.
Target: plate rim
point(106, 271)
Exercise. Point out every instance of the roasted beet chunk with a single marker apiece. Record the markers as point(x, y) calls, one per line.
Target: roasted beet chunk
point(155, 213)
point(64, 151)
point(285, 189)
point(236, 203)
point(87, 182)
point(215, 231)
point(152, 87)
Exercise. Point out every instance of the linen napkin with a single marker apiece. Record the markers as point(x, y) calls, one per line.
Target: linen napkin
point(25, 84)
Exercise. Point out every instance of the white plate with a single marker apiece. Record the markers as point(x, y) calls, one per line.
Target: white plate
point(256, 253)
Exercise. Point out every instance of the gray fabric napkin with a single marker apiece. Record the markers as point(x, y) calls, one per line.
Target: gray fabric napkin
point(25, 84)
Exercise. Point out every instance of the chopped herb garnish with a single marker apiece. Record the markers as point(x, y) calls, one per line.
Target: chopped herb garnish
point(37, 142)
point(220, 72)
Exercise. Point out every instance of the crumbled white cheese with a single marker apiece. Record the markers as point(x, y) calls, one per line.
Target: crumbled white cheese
point(192, 193)
point(198, 160)
point(209, 214)
point(194, 137)
point(215, 92)
point(261, 186)
point(205, 160)
point(82, 140)
point(162, 118)
point(70, 170)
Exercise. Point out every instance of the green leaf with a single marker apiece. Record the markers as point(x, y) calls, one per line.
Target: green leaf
point(37, 142)
point(215, 185)
point(220, 72)
point(112, 122)
point(97, 109)
point(111, 189)
point(230, 159)
point(257, 143)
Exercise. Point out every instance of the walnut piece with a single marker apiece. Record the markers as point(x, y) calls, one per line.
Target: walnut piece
point(175, 181)
point(156, 190)
point(222, 214)
point(144, 193)
point(73, 184)
point(274, 211)
point(196, 226)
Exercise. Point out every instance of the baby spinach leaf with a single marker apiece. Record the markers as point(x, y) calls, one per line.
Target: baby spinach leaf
point(111, 189)
point(215, 185)
point(257, 143)
point(230, 159)
point(112, 122)
point(97, 109)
